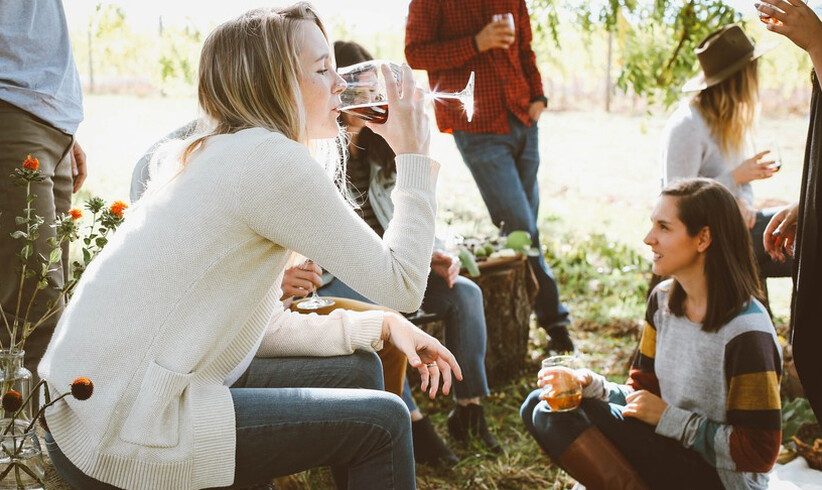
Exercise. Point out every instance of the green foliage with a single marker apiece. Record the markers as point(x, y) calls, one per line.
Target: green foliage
point(603, 280)
point(795, 414)
point(654, 40)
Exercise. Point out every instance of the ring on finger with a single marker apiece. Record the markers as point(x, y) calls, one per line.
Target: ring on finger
point(431, 365)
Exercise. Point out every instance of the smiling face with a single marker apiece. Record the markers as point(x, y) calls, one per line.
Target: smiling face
point(320, 85)
point(676, 253)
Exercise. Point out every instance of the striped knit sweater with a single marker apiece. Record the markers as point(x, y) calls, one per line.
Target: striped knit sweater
point(722, 388)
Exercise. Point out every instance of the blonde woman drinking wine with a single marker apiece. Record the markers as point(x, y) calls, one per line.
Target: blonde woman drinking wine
point(178, 321)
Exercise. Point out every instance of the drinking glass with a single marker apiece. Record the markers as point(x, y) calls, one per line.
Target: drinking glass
point(562, 392)
point(365, 96)
point(775, 154)
point(506, 17)
point(314, 301)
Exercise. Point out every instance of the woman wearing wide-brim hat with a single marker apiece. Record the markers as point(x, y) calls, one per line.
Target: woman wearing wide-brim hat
point(710, 134)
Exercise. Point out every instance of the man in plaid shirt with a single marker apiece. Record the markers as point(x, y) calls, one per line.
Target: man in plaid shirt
point(452, 38)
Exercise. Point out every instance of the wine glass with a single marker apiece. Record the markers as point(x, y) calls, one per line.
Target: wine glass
point(365, 96)
point(314, 301)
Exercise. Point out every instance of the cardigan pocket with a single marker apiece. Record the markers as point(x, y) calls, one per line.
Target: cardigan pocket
point(154, 418)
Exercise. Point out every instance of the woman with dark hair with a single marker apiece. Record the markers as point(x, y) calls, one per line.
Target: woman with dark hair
point(711, 135)
point(701, 407)
point(371, 176)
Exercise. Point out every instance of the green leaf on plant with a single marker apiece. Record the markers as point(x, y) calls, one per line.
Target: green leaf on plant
point(55, 255)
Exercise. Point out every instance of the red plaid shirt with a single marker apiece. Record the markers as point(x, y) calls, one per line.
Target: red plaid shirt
point(439, 38)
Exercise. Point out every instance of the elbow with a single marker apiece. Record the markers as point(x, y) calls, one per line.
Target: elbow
point(757, 451)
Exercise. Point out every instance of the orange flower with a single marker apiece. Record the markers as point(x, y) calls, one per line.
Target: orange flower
point(117, 208)
point(82, 388)
point(12, 401)
point(31, 163)
point(75, 213)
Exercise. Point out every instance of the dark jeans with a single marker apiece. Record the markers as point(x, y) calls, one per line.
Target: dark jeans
point(505, 168)
point(292, 415)
point(663, 462)
point(462, 310)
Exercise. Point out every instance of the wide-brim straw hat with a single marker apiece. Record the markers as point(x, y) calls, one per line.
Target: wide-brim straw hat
point(723, 53)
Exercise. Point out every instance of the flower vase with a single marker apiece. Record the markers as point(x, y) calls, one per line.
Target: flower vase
point(21, 457)
point(15, 377)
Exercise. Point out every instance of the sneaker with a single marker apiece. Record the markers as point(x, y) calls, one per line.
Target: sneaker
point(429, 448)
point(465, 423)
point(560, 342)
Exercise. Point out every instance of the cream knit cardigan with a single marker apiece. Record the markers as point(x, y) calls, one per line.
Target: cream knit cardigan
point(190, 282)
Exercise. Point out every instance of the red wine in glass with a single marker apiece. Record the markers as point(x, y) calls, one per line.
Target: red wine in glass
point(375, 112)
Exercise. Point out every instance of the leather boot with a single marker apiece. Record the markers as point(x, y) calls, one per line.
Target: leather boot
point(593, 461)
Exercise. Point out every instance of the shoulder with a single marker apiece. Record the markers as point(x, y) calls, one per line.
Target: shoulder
point(686, 118)
point(657, 302)
point(753, 318)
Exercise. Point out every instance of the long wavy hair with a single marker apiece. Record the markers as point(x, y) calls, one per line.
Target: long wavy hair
point(730, 267)
point(730, 108)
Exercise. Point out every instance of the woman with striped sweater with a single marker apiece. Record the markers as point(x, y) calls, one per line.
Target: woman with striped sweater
point(701, 407)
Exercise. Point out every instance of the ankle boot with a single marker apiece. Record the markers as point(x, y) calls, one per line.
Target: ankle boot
point(560, 342)
point(429, 448)
point(469, 422)
point(593, 461)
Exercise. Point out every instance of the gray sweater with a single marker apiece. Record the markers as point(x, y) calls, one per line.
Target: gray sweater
point(689, 150)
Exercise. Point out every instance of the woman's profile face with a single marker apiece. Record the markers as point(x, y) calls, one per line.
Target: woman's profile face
point(320, 85)
point(675, 252)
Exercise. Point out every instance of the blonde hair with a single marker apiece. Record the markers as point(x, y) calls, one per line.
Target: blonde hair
point(730, 108)
point(249, 77)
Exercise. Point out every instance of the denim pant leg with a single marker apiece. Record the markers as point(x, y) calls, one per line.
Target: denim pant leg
point(505, 168)
point(767, 267)
point(662, 462)
point(285, 430)
point(342, 290)
point(465, 334)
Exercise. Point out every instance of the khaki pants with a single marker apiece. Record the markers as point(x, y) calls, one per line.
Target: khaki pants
point(393, 360)
point(21, 134)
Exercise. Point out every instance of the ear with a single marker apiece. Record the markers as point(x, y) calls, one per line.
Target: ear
point(703, 239)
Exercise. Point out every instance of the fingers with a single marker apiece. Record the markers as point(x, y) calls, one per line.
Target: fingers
point(770, 12)
point(434, 370)
point(446, 377)
point(78, 166)
point(424, 377)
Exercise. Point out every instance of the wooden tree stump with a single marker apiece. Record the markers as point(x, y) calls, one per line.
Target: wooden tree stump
point(508, 292)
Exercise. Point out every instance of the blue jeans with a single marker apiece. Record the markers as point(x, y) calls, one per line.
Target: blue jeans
point(662, 462)
point(767, 267)
point(505, 168)
point(293, 414)
point(463, 313)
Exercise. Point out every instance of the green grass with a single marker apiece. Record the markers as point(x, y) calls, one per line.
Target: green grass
point(598, 181)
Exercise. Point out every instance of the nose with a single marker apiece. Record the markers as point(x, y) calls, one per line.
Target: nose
point(650, 239)
point(339, 84)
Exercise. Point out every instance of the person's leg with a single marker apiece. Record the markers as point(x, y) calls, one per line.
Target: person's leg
point(662, 462)
point(462, 309)
point(767, 267)
point(22, 134)
point(492, 160)
point(360, 370)
point(342, 290)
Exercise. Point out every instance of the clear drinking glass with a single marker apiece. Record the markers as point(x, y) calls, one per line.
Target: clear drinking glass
point(365, 96)
point(562, 392)
point(314, 301)
point(507, 17)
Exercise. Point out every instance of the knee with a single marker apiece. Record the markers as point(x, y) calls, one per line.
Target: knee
point(526, 411)
point(389, 412)
point(366, 371)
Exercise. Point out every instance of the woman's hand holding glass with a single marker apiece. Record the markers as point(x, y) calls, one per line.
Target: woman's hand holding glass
point(424, 352)
point(754, 169)
point(300, 280)
point(407, 130)
point(796, 21)
point(445, 266)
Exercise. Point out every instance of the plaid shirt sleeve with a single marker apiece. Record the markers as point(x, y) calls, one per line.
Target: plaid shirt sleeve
point(527, 57)
point(423, 48)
